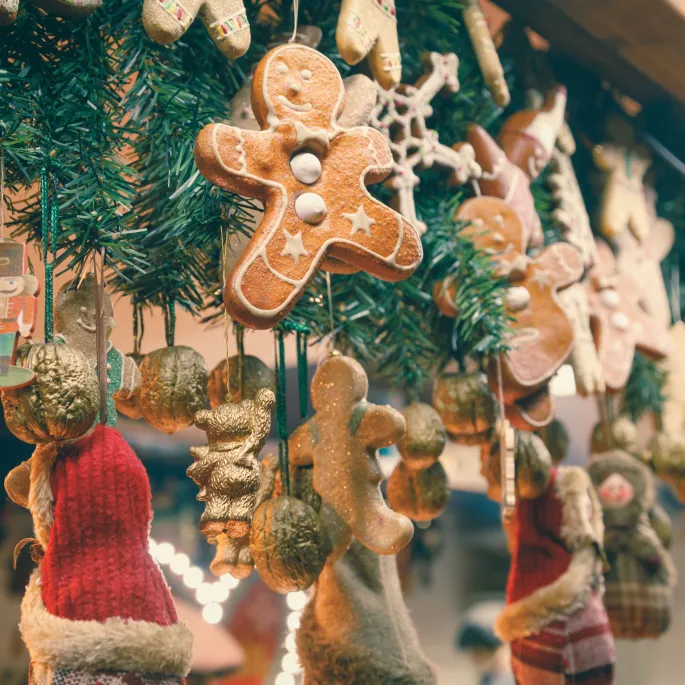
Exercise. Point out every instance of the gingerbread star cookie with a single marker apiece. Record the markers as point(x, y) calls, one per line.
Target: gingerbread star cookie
point(311, 176)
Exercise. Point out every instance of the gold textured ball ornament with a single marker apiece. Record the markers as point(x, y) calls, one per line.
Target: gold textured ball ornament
point(62, 404)
point(174, 387)
point(225, 384)
point(666, 456)
point(621, 435)
point(129, 406)
point(421, 495)
point(424, 439)
point(466, 405)
point(288, 544)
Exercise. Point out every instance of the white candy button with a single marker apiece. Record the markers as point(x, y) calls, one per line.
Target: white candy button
point(517, 298)
point(306, 167)
point(311, 208)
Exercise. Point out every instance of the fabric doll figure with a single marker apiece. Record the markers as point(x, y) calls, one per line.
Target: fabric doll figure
point(554, 617)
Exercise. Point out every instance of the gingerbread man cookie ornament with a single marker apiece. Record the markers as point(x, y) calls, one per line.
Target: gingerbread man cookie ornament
point(226, 20)
point(309, 215)
point(341, 441)
point(368, 28)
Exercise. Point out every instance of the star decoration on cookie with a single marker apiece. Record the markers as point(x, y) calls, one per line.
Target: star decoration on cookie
point(293, 246)
point(361, 221)
point(541, 278)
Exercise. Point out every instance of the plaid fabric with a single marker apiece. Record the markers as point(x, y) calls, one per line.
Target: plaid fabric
point(577, 650)
point(637, 598)
point(69, 677)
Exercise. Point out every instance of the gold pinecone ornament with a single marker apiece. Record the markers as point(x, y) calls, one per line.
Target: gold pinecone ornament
point(466, 405)
point(418, 486)
point(62, 403)
point(224, 380)
point(174, 387)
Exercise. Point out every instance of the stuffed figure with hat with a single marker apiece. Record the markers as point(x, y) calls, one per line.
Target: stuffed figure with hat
point(554, 618)
point(18, 290)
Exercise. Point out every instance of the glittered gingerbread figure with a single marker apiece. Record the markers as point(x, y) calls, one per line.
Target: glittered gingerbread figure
point(226, 469)
point(311, 176)
point(18, 290)
point(342, 438)
point(226, 20)
point(76, 324)
point(368, 28)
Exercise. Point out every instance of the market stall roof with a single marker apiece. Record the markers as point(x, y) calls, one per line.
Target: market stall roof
point(636, 45)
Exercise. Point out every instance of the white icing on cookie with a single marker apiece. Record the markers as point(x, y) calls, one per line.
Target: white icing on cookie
point(294, 246)
point(610, 298)
point(517, 298)
point(360, 221)
point(311, 208)
point(306, 167)
point(620, 321)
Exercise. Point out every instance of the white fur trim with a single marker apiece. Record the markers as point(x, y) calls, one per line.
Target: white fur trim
point(116, 644)
point(582, 530)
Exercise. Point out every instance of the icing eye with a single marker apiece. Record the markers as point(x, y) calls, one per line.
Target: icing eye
point(282, 68)
point(306, 74)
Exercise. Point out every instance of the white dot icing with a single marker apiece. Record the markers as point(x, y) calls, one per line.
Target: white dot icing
point(311, 208)
point(282, 68)
point(517, 298)
point(306, 167)
point(610, 298)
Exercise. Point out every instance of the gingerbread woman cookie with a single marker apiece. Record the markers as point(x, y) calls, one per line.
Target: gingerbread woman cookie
point(528, 136)
point(619, 323)
point(542, 333)
point(368, 28)
point(311, 175)
point(341, 442)
point(226, 20)
point(501, 178)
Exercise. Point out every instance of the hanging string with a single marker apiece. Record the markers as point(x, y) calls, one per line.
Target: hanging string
point(676, 314)
point(302, 374)
point(49, 221)
point(138, 327)
point(101, 331)
point(507, 451)
point(604, 418)
point(170, 322)
point(281, 411)
point(240, 342)
point(330, 310)
point(2, 193)
point(296, 17)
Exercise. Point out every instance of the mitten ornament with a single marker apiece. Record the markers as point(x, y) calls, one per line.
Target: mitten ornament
point(528, 136)
point(418, 486)
point(62, 404)
point(18, 291)
point(174, 387)
point(368, 28)
point(60, 8)
point(466, 406)
point(400, 115)
point(226, 469)
point(554, 617)
point(342, 437)
point(76, 324)
point(227, 380)
point(640, 577)
point(316, 202)
point(226, 21)
point(98, 608)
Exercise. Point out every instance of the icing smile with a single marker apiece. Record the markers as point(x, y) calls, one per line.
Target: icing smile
point(306, 107)
point(85, 326)
point(9, 292)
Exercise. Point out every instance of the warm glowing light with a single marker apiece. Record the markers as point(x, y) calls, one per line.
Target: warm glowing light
point(193, 577)
point(296, 600)
point(205, 594)
point(290, 663)
point(220, 592)
point(212, 613)
point(180, 563)
point(229, 581)
point(164, 552)
point(293, 620)
point(290, 643)
point(285, 679)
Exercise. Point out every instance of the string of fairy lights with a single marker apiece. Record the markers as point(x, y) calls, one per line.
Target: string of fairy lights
point(211, 596)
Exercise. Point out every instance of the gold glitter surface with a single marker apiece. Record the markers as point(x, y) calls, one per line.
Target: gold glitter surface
point(466, 405)
point(174, 387)
point(226, 469)
point(128, 403)
point(341, 442)
point(62, 404)
point(18, 483)
point(256, 375)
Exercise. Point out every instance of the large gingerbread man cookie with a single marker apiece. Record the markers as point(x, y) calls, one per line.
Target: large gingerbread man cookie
point(311, 176)
point(619, 323)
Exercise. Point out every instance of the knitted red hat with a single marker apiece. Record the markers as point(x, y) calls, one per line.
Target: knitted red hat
point(98, 601)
